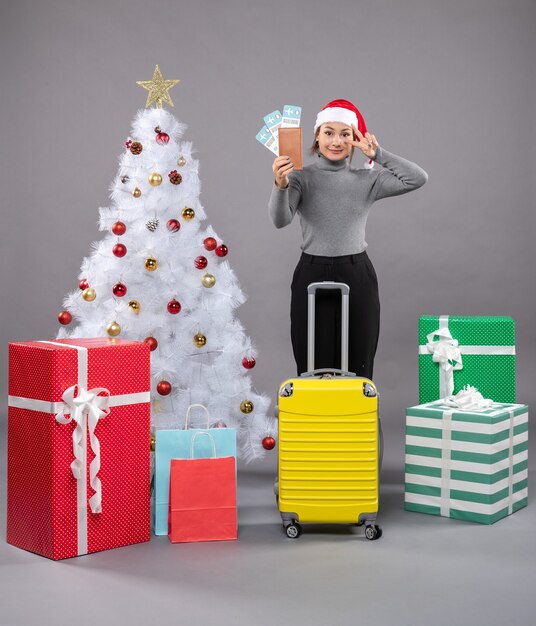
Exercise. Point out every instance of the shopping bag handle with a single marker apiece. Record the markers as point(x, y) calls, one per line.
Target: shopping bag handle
point(188, 414)
point(199, 434)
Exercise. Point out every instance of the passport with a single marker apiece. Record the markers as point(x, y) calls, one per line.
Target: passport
point(290, 144)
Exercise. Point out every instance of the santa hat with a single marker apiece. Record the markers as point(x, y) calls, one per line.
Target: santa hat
point(345, 112)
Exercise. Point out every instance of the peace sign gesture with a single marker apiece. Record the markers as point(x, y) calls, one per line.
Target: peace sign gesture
point(367, 143)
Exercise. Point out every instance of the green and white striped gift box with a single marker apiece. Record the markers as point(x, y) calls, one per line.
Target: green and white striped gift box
point(466, 464)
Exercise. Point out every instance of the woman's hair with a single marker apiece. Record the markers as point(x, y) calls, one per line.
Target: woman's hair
point(314, 148)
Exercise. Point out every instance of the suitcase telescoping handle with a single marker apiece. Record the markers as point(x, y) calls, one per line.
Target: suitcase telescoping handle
point(311, 296)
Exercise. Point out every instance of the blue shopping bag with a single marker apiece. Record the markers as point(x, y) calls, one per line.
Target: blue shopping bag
point(175, 444)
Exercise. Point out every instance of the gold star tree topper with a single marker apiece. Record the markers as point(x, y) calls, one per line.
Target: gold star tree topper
point(158, 89)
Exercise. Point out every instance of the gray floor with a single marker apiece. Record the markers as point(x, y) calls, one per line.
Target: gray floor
point(424, 570)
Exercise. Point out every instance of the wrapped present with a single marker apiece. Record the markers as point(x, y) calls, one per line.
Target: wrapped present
point(175, 444)
point(78, 445)
point(455, 351)
point(467, 463)
point(202, 496)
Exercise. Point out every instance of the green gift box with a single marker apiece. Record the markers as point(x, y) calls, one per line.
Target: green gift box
point(456, 350)
point(466, 464)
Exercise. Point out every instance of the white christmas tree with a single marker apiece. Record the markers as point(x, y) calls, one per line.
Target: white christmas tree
point(160, 276)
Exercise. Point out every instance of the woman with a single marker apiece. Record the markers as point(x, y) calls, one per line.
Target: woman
point(333, 201)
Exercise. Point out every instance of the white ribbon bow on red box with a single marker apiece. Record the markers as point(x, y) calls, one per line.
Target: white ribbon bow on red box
point(85, 409)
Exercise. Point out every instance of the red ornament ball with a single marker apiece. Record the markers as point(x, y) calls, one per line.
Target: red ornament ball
point(83, 284)
point(174, 307)
point(153, 343)
point(201, 262)
point(164, 388)
point(119, 290)
point(64, 317)
point(173, 225)
point(268, 443)
point(119, 249)
point(222, 250)
point(249, 362)
point(118, 228)
point(162, 138)
point(210, 243)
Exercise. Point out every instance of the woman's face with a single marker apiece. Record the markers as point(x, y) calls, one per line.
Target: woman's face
point(333, 138)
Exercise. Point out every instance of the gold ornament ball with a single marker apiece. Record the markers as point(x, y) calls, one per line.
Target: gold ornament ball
point(246, 406)
point(155, 179)
point(134, 306)
point(151, 264)
point(200, 340)
point(113, 329)
point(89, 294)
point(153, 443)
point(188, 214)
point(182, 161)
point(208, 280)
point(137, 192)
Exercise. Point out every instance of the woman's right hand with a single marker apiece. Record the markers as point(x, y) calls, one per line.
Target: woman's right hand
point(282, 168)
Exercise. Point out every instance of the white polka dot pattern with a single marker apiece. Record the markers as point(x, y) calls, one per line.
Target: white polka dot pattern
point(42, 494)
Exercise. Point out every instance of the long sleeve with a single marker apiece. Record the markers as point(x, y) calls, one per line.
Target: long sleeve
point(398, 175)
point(284, 203)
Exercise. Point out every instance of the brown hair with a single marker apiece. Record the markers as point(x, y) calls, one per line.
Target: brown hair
point(314, 148)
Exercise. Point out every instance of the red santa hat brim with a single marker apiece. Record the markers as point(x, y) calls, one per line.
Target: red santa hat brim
point(336, 114)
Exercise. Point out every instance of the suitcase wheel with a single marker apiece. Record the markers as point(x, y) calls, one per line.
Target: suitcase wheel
point(293, 530)
point(373, 532)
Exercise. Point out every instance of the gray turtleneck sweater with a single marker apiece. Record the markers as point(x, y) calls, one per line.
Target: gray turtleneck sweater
point(334, 200)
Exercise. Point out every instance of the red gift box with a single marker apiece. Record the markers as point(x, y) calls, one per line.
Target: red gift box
point(78, 445)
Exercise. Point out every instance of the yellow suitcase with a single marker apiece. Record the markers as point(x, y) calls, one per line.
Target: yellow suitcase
point(329, 440)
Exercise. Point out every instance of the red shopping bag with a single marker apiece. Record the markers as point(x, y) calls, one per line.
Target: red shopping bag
point(202, 497)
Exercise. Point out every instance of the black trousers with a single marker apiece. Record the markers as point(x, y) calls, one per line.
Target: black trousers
point(358, 273)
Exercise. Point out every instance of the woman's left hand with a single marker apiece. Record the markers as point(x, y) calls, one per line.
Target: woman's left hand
point(367, 143)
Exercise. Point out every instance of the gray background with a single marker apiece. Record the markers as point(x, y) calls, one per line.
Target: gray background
point(448, 85)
